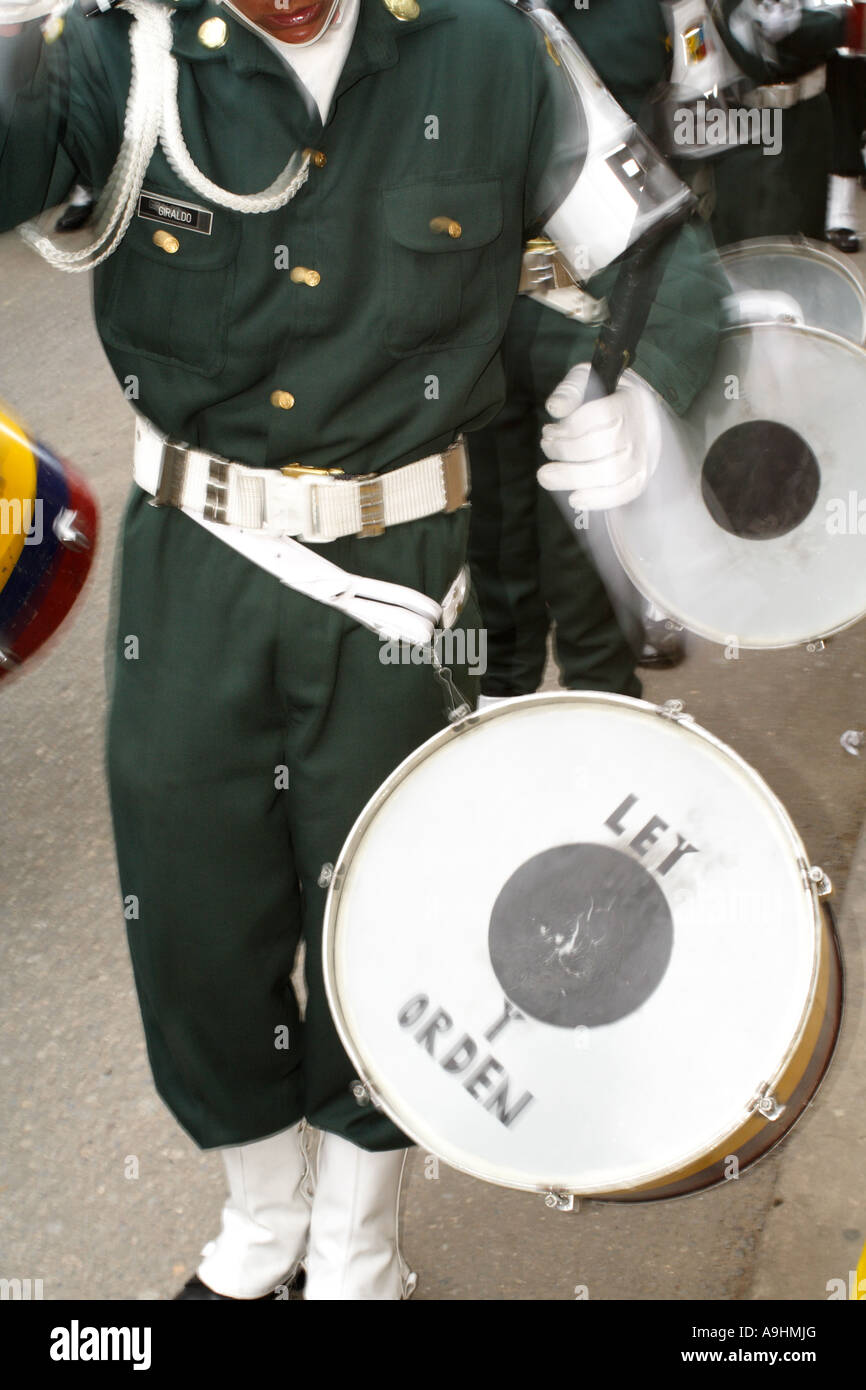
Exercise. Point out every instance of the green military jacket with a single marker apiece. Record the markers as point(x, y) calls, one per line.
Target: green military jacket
point(394, 350)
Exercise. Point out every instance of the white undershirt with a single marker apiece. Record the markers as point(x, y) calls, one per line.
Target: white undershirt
point(318, 65)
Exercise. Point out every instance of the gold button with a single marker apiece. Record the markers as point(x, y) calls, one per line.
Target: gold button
point(403, 9)
point(213, 33)
point(317, 157)
point(446, 224)
point(166, 242)
point(302, 276)
point(283, 400)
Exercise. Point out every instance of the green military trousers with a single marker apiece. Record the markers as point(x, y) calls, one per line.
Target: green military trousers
point(529, 566)
point(783, 194)
point(226, 685)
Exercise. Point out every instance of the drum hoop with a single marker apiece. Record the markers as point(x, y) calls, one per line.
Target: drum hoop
point(814, 250)
point(663, 600)
point(426, 750)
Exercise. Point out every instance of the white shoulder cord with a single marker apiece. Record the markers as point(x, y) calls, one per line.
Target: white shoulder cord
point(152, 116)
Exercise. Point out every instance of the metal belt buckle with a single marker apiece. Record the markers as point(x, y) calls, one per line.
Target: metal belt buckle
point(371, 498)
point(172, 475)
point(370, 494)
point(217, 495)
point(303, 470)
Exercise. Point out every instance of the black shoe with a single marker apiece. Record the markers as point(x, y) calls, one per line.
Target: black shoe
point(195, 1289)
point(663, 647)
point(844, 239)
point(74, 216)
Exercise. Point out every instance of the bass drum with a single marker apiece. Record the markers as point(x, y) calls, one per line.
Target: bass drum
point(49, 523)
point(608, 973)
point(750, 533)
point(827, 289)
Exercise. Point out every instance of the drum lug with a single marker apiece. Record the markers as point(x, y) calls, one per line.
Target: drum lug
point(675, 710)
point(562, 1201)
point(365, 1095)
point(765, 1103)
point(68, 533)
point(822, 882)
point(8, 660)
point(818, 646)
point(457, 707)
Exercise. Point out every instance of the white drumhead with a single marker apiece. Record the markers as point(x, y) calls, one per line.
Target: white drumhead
point(629, 885)
point(827, 288)
point(778, 396)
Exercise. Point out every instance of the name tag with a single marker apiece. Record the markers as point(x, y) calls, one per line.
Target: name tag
point(174, 213)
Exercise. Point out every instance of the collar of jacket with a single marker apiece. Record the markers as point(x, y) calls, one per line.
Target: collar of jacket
point(374, 47)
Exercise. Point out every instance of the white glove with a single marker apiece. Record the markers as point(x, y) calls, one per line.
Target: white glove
point(605, 452)
point(20, 11)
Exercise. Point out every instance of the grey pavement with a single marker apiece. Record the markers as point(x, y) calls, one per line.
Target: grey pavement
point(102, 1196)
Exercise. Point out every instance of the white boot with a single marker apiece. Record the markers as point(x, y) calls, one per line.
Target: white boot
point(354, 1254)
point(266, 1219)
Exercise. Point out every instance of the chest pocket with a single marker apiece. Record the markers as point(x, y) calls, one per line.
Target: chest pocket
point(167, 292)
point(442, 263)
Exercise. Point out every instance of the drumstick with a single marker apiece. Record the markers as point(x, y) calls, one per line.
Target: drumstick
point(630, 303)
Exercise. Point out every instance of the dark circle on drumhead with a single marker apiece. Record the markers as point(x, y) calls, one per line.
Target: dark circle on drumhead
point(760, 480)
point(580, 936)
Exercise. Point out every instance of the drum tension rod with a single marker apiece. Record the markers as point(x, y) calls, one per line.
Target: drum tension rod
point(456, 706)
point(562, 1201)
point(823, 883)
point(364, 1095)
point(68, 533)
point(766, 1104)
point(675, 710)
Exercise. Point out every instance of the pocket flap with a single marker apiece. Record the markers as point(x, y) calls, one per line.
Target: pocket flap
point(444, 215)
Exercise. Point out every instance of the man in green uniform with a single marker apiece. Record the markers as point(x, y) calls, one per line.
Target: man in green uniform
point(527, 568)
point(782, 49)
point(303, 359)
point(529, 563)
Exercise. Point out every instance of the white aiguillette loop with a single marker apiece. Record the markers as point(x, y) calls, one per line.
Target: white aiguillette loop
point(152, 118)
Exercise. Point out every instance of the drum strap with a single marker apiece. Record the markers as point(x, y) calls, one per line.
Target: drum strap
point(393, 611)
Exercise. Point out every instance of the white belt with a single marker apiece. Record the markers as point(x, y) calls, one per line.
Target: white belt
point(394, 611)
point(313, 504)
point(785, 94)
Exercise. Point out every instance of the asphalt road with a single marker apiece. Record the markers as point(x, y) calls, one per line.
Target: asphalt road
point(104, 1197)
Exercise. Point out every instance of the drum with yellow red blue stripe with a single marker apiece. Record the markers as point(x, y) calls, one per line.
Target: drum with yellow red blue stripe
point(48, 532)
